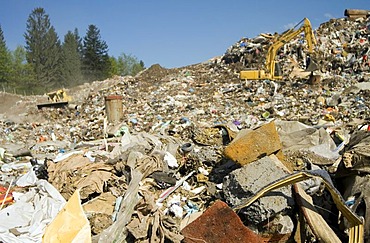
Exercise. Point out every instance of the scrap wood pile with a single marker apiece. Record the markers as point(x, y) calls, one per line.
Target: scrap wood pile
point(198, 155)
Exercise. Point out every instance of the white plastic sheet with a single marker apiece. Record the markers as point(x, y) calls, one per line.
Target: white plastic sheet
point(31, 212)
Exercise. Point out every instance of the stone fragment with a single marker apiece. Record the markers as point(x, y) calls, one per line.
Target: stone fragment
point(248, 180)
point(334, 100)
point(250, 145)
point(219, 223)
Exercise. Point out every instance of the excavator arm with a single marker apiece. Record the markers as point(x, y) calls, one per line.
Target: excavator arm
point(280, 41)
point(285, 38)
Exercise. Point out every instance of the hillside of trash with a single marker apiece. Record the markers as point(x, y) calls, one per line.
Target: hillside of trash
point(196, 154)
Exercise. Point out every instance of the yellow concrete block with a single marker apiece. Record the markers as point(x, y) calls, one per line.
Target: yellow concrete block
point(251, 145)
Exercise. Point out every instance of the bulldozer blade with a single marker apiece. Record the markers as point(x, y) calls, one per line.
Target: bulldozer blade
point(53, 105)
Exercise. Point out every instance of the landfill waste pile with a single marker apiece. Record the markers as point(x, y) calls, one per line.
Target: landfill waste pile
point(195, 154)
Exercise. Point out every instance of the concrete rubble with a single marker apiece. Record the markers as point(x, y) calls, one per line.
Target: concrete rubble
point(249, 145)
point(196, 141)
point(248, 180)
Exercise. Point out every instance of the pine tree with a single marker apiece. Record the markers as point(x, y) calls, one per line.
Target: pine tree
point(43, 49)
point(142, 65)
point(79, 41)
point(4, 60)
point(71, 60)
point(95, 60)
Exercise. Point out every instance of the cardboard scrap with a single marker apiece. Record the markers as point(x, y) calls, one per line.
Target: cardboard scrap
point(78, 172)
point(70, 225)
point(316, 222)
point(162, 228)
point(104, 203)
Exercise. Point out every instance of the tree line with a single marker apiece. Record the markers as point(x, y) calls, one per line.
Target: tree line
point(45, 63)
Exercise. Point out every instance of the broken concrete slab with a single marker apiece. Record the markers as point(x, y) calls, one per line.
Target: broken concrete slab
point(250, 145)
point(246, 181)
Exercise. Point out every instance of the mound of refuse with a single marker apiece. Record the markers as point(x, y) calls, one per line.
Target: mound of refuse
point(195, 154)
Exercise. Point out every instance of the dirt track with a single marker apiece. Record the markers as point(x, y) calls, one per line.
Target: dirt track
point(20, 109)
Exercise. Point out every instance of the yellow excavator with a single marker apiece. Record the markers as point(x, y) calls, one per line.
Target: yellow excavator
point(273, 70)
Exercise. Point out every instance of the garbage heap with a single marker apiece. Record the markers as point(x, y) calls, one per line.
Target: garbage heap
point(197, 155)
point(341, 44)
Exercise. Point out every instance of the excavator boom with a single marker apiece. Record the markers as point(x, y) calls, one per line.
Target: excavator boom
point(280, 41)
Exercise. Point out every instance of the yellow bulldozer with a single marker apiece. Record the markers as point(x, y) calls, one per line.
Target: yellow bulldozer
point(59, 96)
point(57, 99)
point(272, 68)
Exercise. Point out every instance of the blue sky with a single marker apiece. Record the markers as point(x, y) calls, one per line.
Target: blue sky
point(173, 33)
